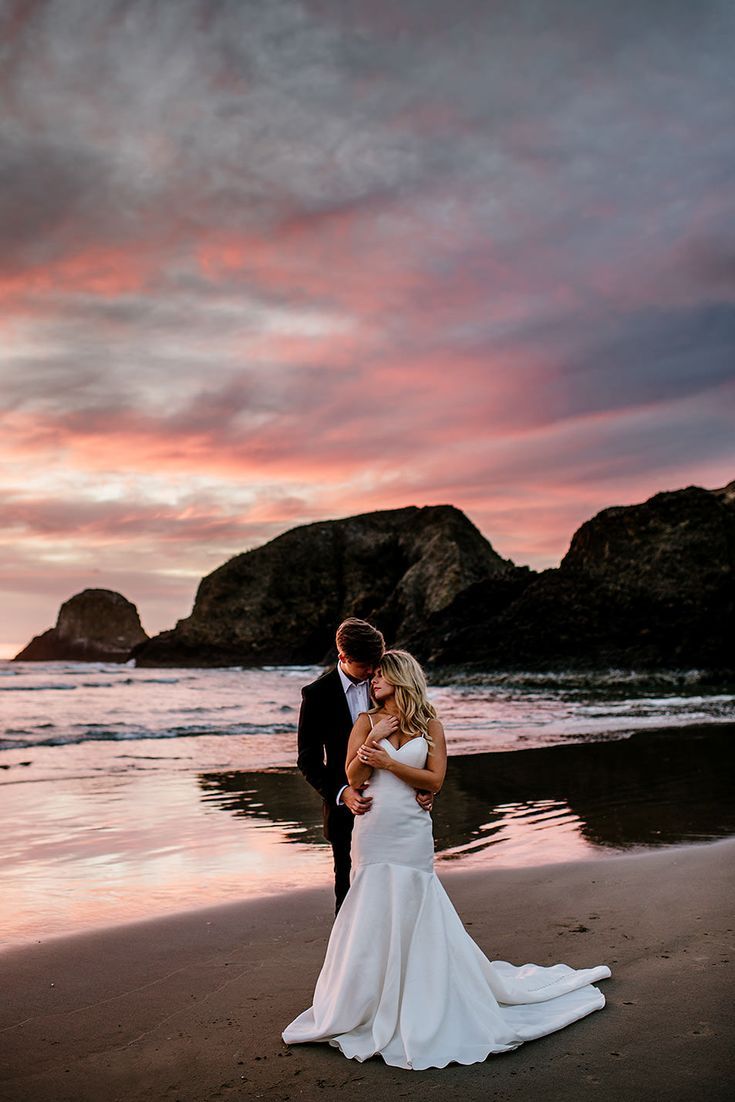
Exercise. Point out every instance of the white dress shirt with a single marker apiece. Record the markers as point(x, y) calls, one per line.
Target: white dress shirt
point(357, 693)
point(358, 700)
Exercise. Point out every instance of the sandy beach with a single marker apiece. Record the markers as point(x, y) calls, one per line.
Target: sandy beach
point(190, 1007)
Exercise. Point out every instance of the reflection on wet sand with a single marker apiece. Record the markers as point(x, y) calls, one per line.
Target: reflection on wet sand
point(655, 788)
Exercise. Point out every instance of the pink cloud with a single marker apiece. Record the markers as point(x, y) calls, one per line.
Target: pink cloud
point(393, 276)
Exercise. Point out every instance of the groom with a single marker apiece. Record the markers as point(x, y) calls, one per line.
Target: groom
point(329, 707)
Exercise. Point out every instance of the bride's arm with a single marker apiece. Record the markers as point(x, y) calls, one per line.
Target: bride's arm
point(357, 773)
point(431, 777)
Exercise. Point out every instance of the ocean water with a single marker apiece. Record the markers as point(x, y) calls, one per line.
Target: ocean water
point(130, 792)
point(61, 705)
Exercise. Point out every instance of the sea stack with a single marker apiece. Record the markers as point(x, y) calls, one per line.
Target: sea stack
point(641, 587)
point(280, 603)
point(96, 625)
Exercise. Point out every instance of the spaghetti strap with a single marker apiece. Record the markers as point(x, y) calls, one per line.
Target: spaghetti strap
point(371, 720)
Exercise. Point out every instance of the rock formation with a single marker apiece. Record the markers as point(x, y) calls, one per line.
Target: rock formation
point(281, 603)
point(642, 586)
point(96, 625)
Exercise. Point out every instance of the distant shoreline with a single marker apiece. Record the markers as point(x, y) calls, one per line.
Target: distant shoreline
point(533, 669)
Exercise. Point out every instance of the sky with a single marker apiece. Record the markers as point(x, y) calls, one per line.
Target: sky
point(266, 263)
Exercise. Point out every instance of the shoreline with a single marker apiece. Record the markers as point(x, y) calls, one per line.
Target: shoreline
point(191, 1005)
point(158, 836)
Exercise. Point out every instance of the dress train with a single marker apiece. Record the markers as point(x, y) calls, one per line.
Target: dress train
point(402, 978)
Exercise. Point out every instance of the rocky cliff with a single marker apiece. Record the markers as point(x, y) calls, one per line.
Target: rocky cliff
point(96, 625)
point(281, 603)
point(642, 586)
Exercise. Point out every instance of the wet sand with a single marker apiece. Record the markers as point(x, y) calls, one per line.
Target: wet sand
point(106, 847)
point(190, 1007)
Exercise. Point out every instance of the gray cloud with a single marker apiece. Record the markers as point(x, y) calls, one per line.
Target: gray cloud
point(656, 355)
point(241, 113)
point(356, 232)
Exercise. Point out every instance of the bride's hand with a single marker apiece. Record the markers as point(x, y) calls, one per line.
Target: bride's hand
point(374, 757)
point(386, 727)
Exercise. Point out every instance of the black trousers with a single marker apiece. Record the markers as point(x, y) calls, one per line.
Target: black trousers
point(341, 821)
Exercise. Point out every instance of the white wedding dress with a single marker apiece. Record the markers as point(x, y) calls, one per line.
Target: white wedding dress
point(402, 978)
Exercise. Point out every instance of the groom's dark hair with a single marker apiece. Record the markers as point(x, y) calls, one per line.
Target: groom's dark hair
point(360, 641)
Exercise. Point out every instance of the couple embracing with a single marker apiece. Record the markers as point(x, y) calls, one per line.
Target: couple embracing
point(402, 978)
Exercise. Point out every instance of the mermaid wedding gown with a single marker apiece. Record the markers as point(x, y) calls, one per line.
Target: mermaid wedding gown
point(402, 978)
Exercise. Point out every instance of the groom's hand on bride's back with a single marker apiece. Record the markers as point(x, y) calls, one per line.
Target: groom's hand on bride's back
point(356, 801)
point(425, 799)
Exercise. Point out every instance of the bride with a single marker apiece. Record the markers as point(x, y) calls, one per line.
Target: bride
point(402, 978)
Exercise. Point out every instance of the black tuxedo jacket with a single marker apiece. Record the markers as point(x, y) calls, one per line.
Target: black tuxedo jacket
point(324, 731)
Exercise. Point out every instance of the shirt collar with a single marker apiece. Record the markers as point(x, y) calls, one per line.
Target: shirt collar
point(347, 684)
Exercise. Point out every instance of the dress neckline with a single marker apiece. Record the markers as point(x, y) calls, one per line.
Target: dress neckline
point(386, 739)
point(397, 748)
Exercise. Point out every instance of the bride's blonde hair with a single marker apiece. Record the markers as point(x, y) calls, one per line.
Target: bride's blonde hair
point(401, 670)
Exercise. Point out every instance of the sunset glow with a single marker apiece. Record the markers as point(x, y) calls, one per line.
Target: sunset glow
point(269, 264)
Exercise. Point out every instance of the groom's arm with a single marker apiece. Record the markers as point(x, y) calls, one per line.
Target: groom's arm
point(311, 747)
